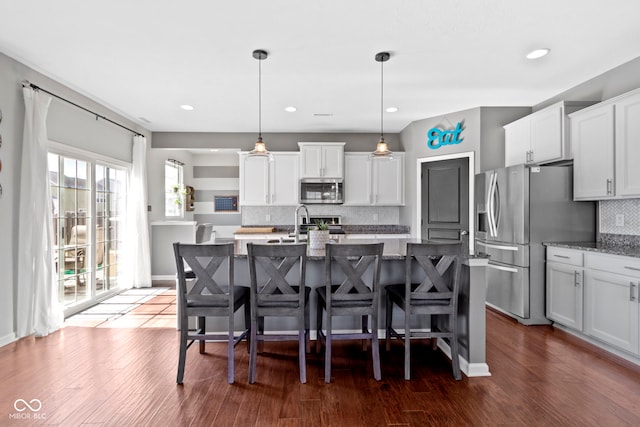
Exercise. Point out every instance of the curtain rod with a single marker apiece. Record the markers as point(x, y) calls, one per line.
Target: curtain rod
point(98, 116)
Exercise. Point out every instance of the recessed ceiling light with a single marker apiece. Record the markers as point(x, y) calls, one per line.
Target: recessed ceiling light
point(290, 109)
point(391, 109)
point(538, 53)
point(187, 107)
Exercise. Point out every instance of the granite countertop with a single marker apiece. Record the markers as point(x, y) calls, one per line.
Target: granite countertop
point(604, 247)
point(348, 229)
point(394, 249)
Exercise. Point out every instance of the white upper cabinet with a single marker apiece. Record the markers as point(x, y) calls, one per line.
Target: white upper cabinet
point(254, 180)
point(269, 183)
point(517, 137)
point(606, 140)
point(285, 177)
point(357, 179)
point(540, 137)
point(627, 147)
point(374, 182)
point(592, 138)
point(321, 159)
point(388, 181)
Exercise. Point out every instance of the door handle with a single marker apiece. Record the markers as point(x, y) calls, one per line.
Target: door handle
point(464, 232)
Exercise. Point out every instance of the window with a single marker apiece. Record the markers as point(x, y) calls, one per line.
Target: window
point(173, 189)
point(88, 199)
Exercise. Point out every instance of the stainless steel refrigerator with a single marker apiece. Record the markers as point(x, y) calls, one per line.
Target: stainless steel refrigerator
point(518, 208)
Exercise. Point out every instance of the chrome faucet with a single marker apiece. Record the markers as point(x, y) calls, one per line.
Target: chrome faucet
point(296, 222)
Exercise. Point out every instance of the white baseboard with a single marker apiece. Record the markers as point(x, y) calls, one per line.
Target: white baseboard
point(7, 339)
point(620, 353)
point(469, 369)
point(164, 277)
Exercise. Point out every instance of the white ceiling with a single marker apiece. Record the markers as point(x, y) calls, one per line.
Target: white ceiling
point(144, 58)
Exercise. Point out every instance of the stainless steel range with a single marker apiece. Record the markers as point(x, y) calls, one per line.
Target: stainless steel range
point(334, 221)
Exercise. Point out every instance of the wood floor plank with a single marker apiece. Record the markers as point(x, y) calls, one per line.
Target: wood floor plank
point(115, 377)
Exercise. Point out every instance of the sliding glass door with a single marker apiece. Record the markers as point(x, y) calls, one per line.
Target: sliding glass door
point(88, 202)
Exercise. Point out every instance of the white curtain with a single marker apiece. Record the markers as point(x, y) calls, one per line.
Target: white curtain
point(139, 257)
point(38, 310)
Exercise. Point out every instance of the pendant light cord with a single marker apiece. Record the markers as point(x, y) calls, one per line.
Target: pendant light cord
point(260, 99)
point(381, 99)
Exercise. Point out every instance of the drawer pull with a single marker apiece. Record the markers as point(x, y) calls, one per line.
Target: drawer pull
point(561, 256)
point(632, 268)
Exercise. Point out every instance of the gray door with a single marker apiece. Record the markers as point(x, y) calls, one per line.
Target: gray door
point(445, 200)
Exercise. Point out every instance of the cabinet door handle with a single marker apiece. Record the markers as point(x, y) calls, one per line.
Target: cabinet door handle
point(531, 156)
point(576, 278)
point(632, 296)
point(609, 187)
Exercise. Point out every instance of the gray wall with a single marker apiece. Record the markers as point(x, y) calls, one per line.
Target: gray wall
point(414, 142)
point(274, 141)
point(66, 125)
point(614, 82)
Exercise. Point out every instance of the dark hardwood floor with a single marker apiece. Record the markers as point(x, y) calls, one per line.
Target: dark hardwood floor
point(126, 377)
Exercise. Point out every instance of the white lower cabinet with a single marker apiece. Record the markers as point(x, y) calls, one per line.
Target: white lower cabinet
point(607, 308)
point(565, 292)
point(611, 303)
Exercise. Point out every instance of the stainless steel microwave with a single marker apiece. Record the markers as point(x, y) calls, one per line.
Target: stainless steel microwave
point(321, 190)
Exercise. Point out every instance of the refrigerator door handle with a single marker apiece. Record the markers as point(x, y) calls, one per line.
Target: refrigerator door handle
point(493, 232)
point(497, 211)
point(490, 205)
point(504, 248)
point(499, 267)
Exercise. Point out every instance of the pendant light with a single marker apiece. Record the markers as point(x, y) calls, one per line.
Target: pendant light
point(382, 150)
point(260, 149)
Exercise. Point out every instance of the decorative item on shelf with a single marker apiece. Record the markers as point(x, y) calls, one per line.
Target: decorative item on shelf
point(318, 236)
point(382, 150)
point(189, 198)
point(260, 149)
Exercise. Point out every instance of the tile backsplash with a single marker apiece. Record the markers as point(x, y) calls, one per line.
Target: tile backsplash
point(625, 212)
point(352, 215)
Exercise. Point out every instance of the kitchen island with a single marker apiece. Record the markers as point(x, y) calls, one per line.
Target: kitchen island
point(471, 309)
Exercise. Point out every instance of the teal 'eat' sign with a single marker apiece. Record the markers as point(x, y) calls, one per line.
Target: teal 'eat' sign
point(439, 137)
